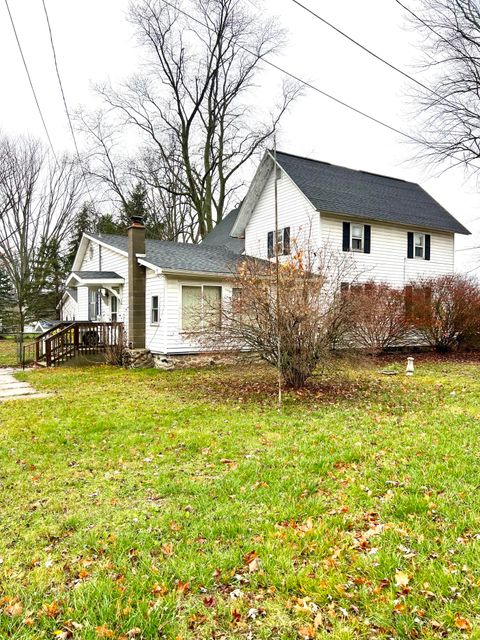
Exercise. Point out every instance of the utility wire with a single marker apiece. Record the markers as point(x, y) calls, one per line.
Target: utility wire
point(30, 81)
point(417, 17)
point(67, 112)
point(303, 82)
point(367, 50)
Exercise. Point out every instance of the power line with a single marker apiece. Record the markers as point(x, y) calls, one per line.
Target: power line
point(30, 81)
point(367, 50)
point(417, 17)
point(303, 82)
point(72, 131)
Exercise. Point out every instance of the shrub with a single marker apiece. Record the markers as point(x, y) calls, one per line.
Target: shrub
point(311, 311)
point(115, 353)
point(377, 316)
point(445, 310)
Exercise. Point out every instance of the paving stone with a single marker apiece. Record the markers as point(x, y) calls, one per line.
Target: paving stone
point(13, 389)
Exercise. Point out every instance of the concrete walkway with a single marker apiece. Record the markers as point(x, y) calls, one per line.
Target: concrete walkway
point(13, 389)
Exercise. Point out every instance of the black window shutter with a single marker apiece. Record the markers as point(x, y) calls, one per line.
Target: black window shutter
point(286, 241)
point(270, 244)
point(346, 236)
point(367, 234)
point(428, 242)
point(410, 244)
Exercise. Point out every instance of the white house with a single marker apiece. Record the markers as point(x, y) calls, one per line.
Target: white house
point(393, 229)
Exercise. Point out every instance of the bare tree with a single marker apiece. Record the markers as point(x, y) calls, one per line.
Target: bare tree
point(203, 61)
point(450, 112)
point(311, 318)
point(38, 199)
point(170, 216)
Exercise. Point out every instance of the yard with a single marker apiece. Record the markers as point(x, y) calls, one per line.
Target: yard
point(8, 353)
point(184, 505)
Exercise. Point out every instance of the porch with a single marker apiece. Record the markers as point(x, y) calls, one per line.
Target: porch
point(72, 338)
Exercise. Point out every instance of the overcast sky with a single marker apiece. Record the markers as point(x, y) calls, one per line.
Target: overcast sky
point(95, 43)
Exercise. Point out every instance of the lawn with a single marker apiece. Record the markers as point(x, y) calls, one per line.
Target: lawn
point(8, 353)
point(184, 505)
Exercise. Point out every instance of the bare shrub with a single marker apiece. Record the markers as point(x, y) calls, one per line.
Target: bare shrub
point(311, 316)
point(445, 310)
point(115, 353)
point(378, 319)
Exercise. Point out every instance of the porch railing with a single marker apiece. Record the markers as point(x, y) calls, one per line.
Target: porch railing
point(69, 339)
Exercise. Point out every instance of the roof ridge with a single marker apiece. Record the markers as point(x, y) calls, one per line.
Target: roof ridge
point(340, 166)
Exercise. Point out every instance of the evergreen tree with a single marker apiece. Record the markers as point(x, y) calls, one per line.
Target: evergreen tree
point(85, 221)
point(136, 205)
point(7, 300)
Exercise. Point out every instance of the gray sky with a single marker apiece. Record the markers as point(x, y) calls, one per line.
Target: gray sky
point(94, 43)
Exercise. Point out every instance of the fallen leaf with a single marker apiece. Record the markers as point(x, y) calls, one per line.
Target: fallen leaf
point(307, 632)
point(462, 623)
point(167, 549)
point(14, 609)
point(104, 632)
point(51, 610)
point(401, 579)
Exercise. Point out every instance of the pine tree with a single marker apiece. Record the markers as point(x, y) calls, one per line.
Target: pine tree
point(7, 300)
point(85, 221)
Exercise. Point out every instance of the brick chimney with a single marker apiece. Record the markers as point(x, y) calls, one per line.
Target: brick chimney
point(136, 284)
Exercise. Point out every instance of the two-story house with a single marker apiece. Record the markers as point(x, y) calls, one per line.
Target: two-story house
point(393, 229)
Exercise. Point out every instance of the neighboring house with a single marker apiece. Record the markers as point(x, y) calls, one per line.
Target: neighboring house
point(393, 229)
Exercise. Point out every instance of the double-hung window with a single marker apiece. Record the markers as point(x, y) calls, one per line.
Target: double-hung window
point(418, 245)
point(154, 312)
point(356, 237)
point(283, 242)
point(113, 308)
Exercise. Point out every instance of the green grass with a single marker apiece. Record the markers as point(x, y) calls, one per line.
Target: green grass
point(8, 353)
point(184, 505)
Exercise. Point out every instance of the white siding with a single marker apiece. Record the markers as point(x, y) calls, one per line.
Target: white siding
point(155, 336)
point(176, 340)
point(69, 310)
point(387, 261)
point(105, 259)
point(82, 303)
point(294, 211)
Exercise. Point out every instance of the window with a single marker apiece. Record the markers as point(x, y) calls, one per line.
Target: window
point(94, 304)
point(154, 314)
point(201, 307)
point(420, 245)
point(283, 242)
point(113, 309)
point(356, 238)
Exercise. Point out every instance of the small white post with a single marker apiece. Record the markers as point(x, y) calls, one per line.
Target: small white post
point(410, 367)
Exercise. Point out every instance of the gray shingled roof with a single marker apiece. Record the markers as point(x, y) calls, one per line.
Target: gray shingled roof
point(97, 275)
point(179, 256)
point(335, 189)
point(220, 236)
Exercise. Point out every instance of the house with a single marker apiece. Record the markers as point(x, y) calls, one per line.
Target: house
point(393, 229)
